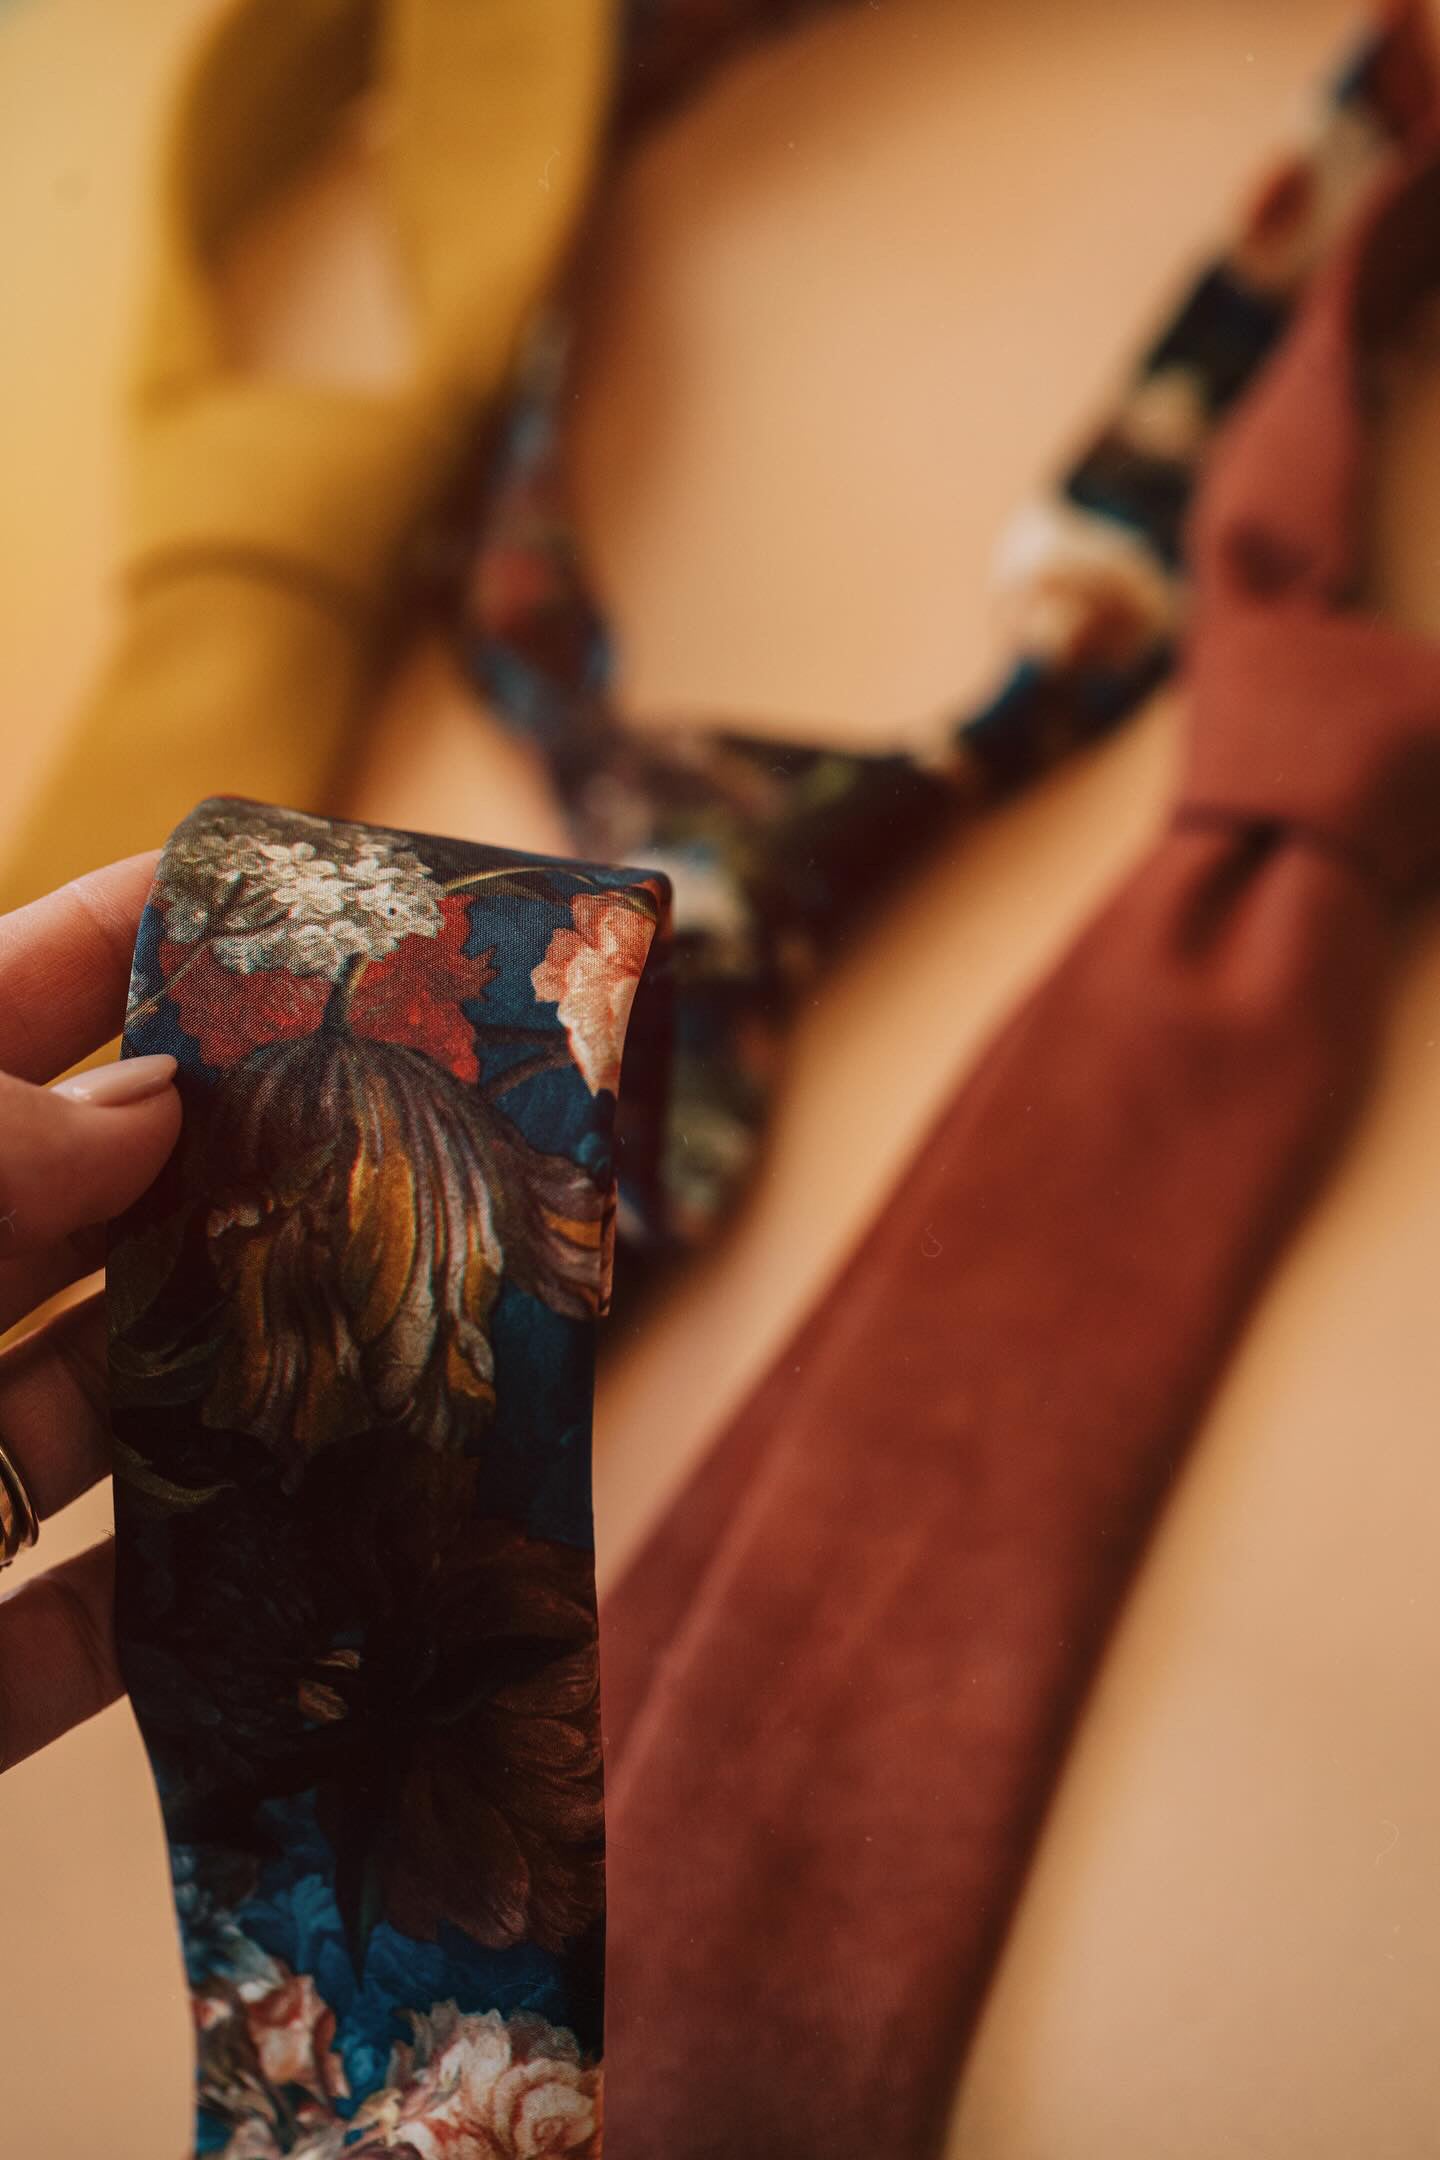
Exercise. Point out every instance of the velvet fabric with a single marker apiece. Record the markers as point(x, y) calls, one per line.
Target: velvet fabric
point(841, 1679)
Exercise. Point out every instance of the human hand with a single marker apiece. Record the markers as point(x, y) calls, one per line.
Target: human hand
point(71, 1156)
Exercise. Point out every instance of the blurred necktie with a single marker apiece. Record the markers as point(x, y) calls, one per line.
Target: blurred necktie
point(777, 849)
point(841, 1679)
point(275, 527)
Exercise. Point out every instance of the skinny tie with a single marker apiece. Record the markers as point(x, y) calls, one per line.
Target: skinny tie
point(842, 1677)
point(352, 1339)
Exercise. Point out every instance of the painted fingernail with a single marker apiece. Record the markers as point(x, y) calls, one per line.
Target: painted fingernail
point(115, 1087)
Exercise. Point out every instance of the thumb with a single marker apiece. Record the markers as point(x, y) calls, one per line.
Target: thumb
point(83, 1150)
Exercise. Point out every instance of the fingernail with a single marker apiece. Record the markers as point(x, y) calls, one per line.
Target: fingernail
point(115, 1087)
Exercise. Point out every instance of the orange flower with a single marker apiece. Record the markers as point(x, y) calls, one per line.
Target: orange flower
point(482, 2088)
point(590, 974)
point(291, 2029)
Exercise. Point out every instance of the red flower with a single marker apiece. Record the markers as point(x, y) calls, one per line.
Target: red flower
point(412, 996)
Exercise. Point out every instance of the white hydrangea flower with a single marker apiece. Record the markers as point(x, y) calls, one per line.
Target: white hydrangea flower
point(269, 899)
point(186, 921)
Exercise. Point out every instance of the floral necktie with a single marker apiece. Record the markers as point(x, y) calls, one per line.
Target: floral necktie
point(352, 1346)
point(850, 1661)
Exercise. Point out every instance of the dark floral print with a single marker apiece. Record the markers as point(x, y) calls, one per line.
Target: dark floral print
point(361, 1208)
point(589, 973)
point(427, 1675)
point(384, 1001)
point(351, 1360)
point(463, 2088)
point(495, 1825)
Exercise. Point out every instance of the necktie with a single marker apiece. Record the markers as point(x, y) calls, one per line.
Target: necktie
point(841, 1680)
point(277, 530)
point(775, 849)
point(352, 1338)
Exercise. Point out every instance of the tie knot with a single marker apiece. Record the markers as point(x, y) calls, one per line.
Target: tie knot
point(1307, 714)
point(1325, 724)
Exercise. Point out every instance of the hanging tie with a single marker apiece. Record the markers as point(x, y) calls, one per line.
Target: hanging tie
point(841, 1680)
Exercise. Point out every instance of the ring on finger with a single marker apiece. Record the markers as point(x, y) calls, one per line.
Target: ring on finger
point(19, 1523)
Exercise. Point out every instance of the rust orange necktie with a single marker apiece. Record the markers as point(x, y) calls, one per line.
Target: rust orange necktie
point(841, 1679)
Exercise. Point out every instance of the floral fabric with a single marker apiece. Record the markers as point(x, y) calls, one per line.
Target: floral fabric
point(775, 850)
point(351, 1365)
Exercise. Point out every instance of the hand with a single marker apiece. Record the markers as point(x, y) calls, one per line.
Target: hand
point(71, 1156)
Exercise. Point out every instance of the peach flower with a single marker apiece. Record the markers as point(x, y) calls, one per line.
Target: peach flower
point(590, 974)
point(291, 2029)
point(479, 2088)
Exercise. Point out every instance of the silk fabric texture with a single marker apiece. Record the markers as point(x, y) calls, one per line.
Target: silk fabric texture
point(352, 1337)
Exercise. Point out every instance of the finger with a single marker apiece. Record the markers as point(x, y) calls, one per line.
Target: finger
point(68, 1160)
point(53, 1421)
point(65, 968)
point(57, 1652)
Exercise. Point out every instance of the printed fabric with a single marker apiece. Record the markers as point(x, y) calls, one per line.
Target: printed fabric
point(352, 1348)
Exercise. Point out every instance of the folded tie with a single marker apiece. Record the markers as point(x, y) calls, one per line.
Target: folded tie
point(841, 1679)
point(352, 1347)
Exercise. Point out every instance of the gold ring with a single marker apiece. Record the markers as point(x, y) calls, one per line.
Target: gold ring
point(19, 1523)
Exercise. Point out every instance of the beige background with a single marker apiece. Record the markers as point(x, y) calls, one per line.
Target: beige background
point(842, 317)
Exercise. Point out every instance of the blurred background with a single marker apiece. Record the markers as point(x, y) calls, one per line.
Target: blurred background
point(839, 318)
